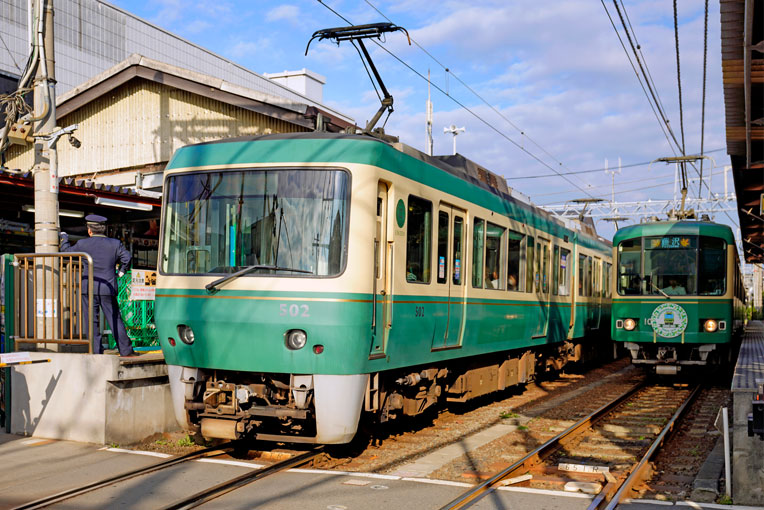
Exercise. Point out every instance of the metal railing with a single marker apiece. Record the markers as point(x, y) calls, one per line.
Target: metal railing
point(48, 299)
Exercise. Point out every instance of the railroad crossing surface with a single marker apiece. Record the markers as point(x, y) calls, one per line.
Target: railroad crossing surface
point(33, 468)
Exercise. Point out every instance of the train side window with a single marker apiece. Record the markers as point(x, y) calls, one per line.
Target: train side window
point(458, 239)
point(564, 272)
point(418, 240)
point(529, 264)
point(494, 235)
point(712, 266)
point(555, 269)
point(629, 267)
point(589, 268)
point(606, 280)
point(478, 231)
point(513, 260)
point(581, 275)
point(442, 247)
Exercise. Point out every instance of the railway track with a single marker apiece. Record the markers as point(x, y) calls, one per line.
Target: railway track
point(636, 424)
point(192, 501)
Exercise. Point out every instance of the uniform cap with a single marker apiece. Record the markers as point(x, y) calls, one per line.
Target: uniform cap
point(95, 218)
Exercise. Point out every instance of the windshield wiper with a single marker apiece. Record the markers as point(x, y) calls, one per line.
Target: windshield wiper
point(650, 281)
point(211, 287)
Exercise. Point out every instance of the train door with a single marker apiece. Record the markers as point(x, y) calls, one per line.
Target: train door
point(542, 281)
point(450, 265)
point(573, 279)
point(382, 298)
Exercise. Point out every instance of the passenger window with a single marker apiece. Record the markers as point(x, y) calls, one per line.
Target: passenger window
point(529, 260)
point(564, 272)
point(477, 253)
point(458, 230)
point(418, 240)
point(513, 260)
point(555, 269)
point(493, 238)
point(442, 246)
point(581, 275)
point(589, 277)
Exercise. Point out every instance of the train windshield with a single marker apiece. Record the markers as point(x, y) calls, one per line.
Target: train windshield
point(672, 265)
point(223, 222)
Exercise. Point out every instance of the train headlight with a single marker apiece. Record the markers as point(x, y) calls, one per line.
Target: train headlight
point(710, 326)
point(629, 324)
point(296, 339)
point(186, 334)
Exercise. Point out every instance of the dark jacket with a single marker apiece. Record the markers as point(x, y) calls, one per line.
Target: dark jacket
point(106, 252)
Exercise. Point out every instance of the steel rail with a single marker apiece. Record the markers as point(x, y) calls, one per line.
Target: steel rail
point(71, 493)
point(542, 452)
point(206, 495)
point(617, 493)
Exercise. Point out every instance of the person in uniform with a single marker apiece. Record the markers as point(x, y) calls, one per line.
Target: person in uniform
point(106, 253)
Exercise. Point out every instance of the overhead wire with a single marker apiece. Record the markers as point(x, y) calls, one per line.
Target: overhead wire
point(624, 183)
point(449, 71)
point(648, 79)
point(629, 165)
point(703, 108)
point(463, 106)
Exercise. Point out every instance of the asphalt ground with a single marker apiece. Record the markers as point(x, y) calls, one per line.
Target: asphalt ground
point(31, 468)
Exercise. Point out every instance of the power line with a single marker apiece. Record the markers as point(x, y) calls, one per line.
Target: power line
point(465, 85)
point(703, 108)
point(488, 124)
point(623, 183)
point(630, 165)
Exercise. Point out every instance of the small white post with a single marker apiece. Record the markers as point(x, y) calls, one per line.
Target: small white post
point(727, 467)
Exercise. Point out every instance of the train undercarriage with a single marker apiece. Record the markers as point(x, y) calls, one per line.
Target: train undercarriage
point(670, 359)
point(326, 409)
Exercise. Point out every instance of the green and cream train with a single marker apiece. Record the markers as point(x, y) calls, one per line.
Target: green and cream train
point(308, 279)
point(679, 294)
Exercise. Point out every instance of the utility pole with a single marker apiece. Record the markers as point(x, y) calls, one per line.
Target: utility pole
point(454, 131)
point(45, 159)
point(429, 117)
point(45, 174)
point(612, 173)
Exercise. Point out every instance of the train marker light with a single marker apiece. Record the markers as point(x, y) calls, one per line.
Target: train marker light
point(318, 349)
point(186, 334)
point(296, 339)
point(710, 326)
point(171, 340)
point(629, 324)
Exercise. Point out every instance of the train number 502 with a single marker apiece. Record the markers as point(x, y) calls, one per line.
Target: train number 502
point(294, 310)
point(418, 311)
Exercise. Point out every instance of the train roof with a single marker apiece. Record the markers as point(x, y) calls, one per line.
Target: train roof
point(456, 165)
point(685, 227)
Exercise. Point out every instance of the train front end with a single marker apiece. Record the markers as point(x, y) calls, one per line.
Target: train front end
point(677, 294)
point(261, 318)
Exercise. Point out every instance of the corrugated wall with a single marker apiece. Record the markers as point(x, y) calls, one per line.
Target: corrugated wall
point(143, 123)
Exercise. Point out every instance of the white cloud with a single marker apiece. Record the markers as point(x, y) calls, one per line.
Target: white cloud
point(289, 13)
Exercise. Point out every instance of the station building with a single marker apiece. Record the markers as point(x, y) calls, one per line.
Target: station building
point(138, 93)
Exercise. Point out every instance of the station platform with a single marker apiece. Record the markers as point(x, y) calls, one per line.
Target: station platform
point(747, 452)
point(102, 399)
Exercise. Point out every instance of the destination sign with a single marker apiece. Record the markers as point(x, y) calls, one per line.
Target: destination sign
point(671, 243)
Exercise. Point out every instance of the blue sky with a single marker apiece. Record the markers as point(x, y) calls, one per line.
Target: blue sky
point(552, 78)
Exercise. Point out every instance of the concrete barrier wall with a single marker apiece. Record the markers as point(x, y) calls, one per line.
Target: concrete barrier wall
point(91, 398)
point(747, 452)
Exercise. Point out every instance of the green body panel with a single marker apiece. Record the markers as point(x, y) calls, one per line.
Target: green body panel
point(245, 331)
point(362, 150)
point(675, 228)
point(697, 311)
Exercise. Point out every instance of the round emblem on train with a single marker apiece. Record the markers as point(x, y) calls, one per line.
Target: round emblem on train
point(669, 320)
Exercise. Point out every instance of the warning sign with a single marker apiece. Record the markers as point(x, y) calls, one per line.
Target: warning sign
point(143, 285)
